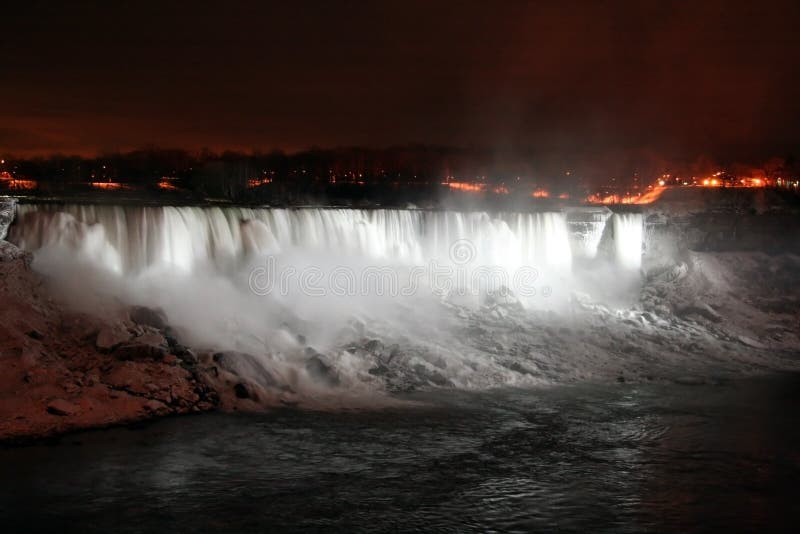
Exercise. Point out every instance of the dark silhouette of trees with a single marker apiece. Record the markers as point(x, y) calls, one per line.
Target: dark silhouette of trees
point(397, 174)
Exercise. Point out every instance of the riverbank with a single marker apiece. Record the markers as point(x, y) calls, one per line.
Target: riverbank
point(64, 370)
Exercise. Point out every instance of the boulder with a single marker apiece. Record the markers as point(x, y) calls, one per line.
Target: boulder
point(35, 334)
point(139, 351)
point(242, 391)
point(8, 207)
point(502, 298)
point(375, 346)
point(155, 406)
point(154, 317)
point(61, 407)
point(109, 338)
point(187, 356)
point(319, 370)
point(699, 309)
point(245, 366)
point(152, 338)
point(11, 252)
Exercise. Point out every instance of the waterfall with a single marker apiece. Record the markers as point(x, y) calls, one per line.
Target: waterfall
point(628, 235)
point(351, 275)
point(465, 255)
point(128, 239)
point(586, 226)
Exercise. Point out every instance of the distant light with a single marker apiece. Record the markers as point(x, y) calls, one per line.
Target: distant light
point(2, 162)
point(661, 183)
point(540, 193)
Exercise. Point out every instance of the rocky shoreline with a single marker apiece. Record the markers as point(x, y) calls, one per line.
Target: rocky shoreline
point(65, 371)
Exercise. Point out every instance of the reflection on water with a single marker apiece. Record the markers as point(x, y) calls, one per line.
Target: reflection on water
point(622, 457)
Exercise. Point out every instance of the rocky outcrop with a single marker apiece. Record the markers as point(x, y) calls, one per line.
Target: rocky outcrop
point(723, 220)
point(148, 316)
point(65, 371)
point(61, 407)
point(110, 338)
point(241, 380)
point(8, 207)
point(319, 370)
point(10, 252)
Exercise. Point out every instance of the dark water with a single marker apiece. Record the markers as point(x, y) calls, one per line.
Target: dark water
point(617, 457)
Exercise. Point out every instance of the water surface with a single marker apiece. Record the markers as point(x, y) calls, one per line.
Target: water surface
point(613, 457)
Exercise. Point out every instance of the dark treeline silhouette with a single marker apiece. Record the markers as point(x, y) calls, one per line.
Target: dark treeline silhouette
point(398, 174)
point(413, 173)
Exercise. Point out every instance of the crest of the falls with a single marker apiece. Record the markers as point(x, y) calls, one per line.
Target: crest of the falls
point(132, 239)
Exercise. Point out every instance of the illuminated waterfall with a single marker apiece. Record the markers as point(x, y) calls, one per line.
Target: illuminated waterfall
point(131, 239)
point(628, 235)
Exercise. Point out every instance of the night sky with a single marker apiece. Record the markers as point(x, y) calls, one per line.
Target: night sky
point(561, 80)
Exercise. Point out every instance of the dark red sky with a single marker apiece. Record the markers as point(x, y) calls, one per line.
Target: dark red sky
point(569, 80)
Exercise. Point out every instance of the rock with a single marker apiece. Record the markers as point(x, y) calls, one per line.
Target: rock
point(92, 377)
point(502, 297)
point(187, 357)
point(109, 338)
point(241, 391)
point(700, 309)
point(519, 368)
point(139, 351)
point(374, 346)
point(750, 342)
point(10, 252)
point(61, 407)
point(150, 345)
point(379, 370)
point(246, 366)
point(148, 316)
point(152, 338)
point(172, 341)
point(433, 377)
point(8, 207)
point(321, 371)
point(35, 334)
point(155, 406)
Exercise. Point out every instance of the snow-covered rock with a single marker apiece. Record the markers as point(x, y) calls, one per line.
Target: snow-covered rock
point(8, 208)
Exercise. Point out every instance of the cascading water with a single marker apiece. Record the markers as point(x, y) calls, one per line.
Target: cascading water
point(128, 240)
point(586, 227)
point(628, 235)
point(198, 264)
